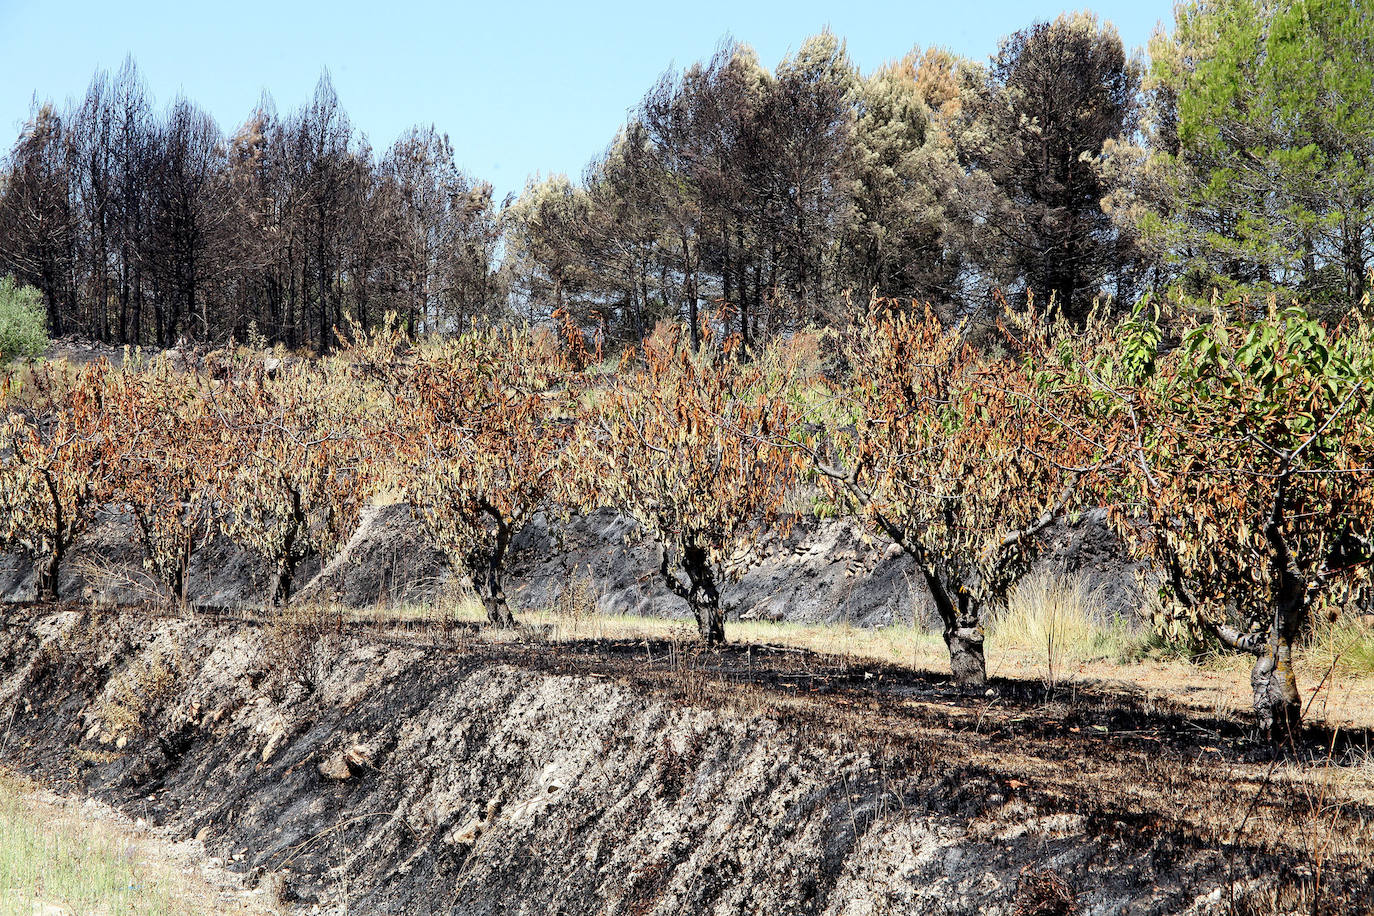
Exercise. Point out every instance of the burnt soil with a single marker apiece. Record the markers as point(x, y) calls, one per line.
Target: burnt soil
point(416, 772)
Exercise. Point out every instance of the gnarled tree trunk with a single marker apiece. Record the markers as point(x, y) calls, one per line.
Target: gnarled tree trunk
point(493, 599)
point(1274, 684)
point(963, 630)
point(282, 581)
point(1272, 679)
point(64, 531)
point(710, 619)
point(487, 572)
point(700, 591)
point(45, 573)
point(966, 661)
point(1276, 699)
point(704, 596)
point(296, 548)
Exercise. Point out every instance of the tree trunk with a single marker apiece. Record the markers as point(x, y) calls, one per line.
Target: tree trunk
point(54, 308)
point(1276, 699)
point(726, 286)
point(742, 286)
point(136, 316)
point(963, 631)
point(281, 588)
point(1275, 687)
point(174, 580)
point(966, 661)
point(46, 577)
point(494, 601)
point(488, 581)
point(692, 321)
point(690, 288)
point(710, 620)
point(704, 597)
point(181, 585)
point(124, 295)
point(488, 584)
point(324, 304)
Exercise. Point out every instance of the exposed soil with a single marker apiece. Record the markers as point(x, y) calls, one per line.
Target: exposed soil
point(822, 571)
point(402, 772)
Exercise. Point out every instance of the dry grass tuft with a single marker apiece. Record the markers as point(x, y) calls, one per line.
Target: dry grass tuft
point(138, 692)
point(453, 605)
point(1343, 646)
point(575, 609)
point(107, 579)
point(1059, 621)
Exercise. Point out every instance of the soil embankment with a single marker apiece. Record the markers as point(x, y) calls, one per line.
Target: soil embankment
point(414, 774)
point(821, 572)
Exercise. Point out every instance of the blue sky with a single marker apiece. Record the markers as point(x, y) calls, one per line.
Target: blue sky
point(519, 87)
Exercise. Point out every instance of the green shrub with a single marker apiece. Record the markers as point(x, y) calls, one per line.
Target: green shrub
point(1158, 645)
point(22, 329)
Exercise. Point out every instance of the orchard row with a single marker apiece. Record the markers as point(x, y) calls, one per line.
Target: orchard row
point(1236, 457)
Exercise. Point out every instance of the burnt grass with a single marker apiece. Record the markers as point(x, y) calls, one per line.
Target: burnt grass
point(1134, 804)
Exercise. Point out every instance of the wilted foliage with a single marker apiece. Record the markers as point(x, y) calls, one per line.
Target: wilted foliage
point(483, 418)
point(1234, 455)
point(55, 472)
point(685, 443)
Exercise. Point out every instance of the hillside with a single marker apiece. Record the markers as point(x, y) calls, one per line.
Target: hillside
point(408, 775)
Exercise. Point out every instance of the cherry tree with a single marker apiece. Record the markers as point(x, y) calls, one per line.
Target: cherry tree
point(159, 432)
point(482, 419)
point(1247, 476)
point(686, 443)
point(55, 473)
point(296, 471)
point(960, 456)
